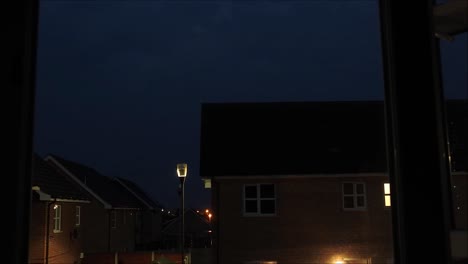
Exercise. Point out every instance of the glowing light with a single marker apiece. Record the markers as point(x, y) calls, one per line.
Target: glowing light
point(55, 207)
point(209, 231)
point(387, 188)
point(339, 262)
point(207, 211)
point(182, 169)
point(162, 210)
point(210, 215)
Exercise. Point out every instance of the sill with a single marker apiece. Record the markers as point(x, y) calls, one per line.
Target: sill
point(354, 209)
point(259, 215)
point(57, 231)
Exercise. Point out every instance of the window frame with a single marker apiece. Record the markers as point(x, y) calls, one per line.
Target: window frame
point(355, 195)
point(77, 215)
point(389, 195)
point(57, 219)
point(258, 199)
point(113, 219)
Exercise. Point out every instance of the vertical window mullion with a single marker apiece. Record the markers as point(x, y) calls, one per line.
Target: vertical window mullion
point(258, 199)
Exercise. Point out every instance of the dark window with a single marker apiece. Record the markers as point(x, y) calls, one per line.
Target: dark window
point(354, 195)
point(259, 199)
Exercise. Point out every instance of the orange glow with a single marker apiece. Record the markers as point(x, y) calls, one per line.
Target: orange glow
point(207, 211)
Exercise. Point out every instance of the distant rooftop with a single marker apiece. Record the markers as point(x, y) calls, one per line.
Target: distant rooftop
point(51, 182)
point(105, 187)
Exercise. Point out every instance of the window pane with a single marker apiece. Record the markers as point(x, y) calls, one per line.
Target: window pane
point(348, 188)
point(386, 188)
point(267, 191)
point(348, 202)
point(314, 67)
point(455, 84)
point(267, 206)
point(359, 188)
point(388, 200)
point(361, 201)
point(251, 191)
point(251, 206)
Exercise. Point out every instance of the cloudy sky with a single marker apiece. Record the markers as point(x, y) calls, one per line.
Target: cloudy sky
point(120, 83)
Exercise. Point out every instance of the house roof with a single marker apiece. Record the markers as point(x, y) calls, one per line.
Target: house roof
point(451, 18)
point(107, 189)
point(240, 139)
point(193, 223)
point(142, 195)
point(52, 183)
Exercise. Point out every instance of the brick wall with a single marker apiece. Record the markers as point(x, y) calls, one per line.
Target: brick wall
point(130, 257)
point(310, 225)
point(64, 247)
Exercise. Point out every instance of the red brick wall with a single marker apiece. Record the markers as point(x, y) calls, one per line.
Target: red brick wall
point(310, 225)
point(63, 247)
point(99, 258)
point(129, 257)
point(95, 227)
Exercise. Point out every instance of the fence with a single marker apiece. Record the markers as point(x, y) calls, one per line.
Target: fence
point(144, 257)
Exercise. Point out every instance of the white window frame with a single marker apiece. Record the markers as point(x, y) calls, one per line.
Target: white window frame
point(57, 218)
point(258, 199)
point(387, 194)
point(113, 220)
point(355, 195)
point(77, 215)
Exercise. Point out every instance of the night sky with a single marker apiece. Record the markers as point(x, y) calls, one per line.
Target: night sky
point(120, 83)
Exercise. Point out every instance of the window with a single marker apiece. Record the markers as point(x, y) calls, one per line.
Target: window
point(354, 195)
point(77, 215)
point(113, 219)
point(57, 218)
point(259, 199)
point(387, 194)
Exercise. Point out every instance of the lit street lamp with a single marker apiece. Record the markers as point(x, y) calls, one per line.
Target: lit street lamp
point(182, 173)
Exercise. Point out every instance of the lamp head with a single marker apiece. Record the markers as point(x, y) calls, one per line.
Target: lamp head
point(182, 170)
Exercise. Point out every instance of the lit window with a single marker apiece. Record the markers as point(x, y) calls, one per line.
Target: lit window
point(387, 194)
point(113, 219)
point(354, 195)
point(259, 199)
point(78, 215)
point(57, 218)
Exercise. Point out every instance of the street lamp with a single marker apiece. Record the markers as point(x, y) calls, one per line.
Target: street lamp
point(182, 173)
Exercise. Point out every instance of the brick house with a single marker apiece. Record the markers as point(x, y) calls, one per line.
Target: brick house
point(56, 216)
point(115, 213)
point(149, 228)
point(197, 231)
point(304, 182)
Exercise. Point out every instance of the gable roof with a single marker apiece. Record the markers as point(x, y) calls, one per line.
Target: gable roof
point(105, 189)
point(300, 138)
point(139, 193)
point(52, 183)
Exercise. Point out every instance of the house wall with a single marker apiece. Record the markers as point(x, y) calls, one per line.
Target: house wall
point(123, 236)
point(460, 200)
point(310, 225)
point(149, 232)
point(95, 227)
point(63, 246)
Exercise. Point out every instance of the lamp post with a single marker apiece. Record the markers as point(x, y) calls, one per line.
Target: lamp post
point(182, 173)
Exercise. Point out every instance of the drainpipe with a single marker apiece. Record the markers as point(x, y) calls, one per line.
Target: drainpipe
point(109, 230)
point(47, 230)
